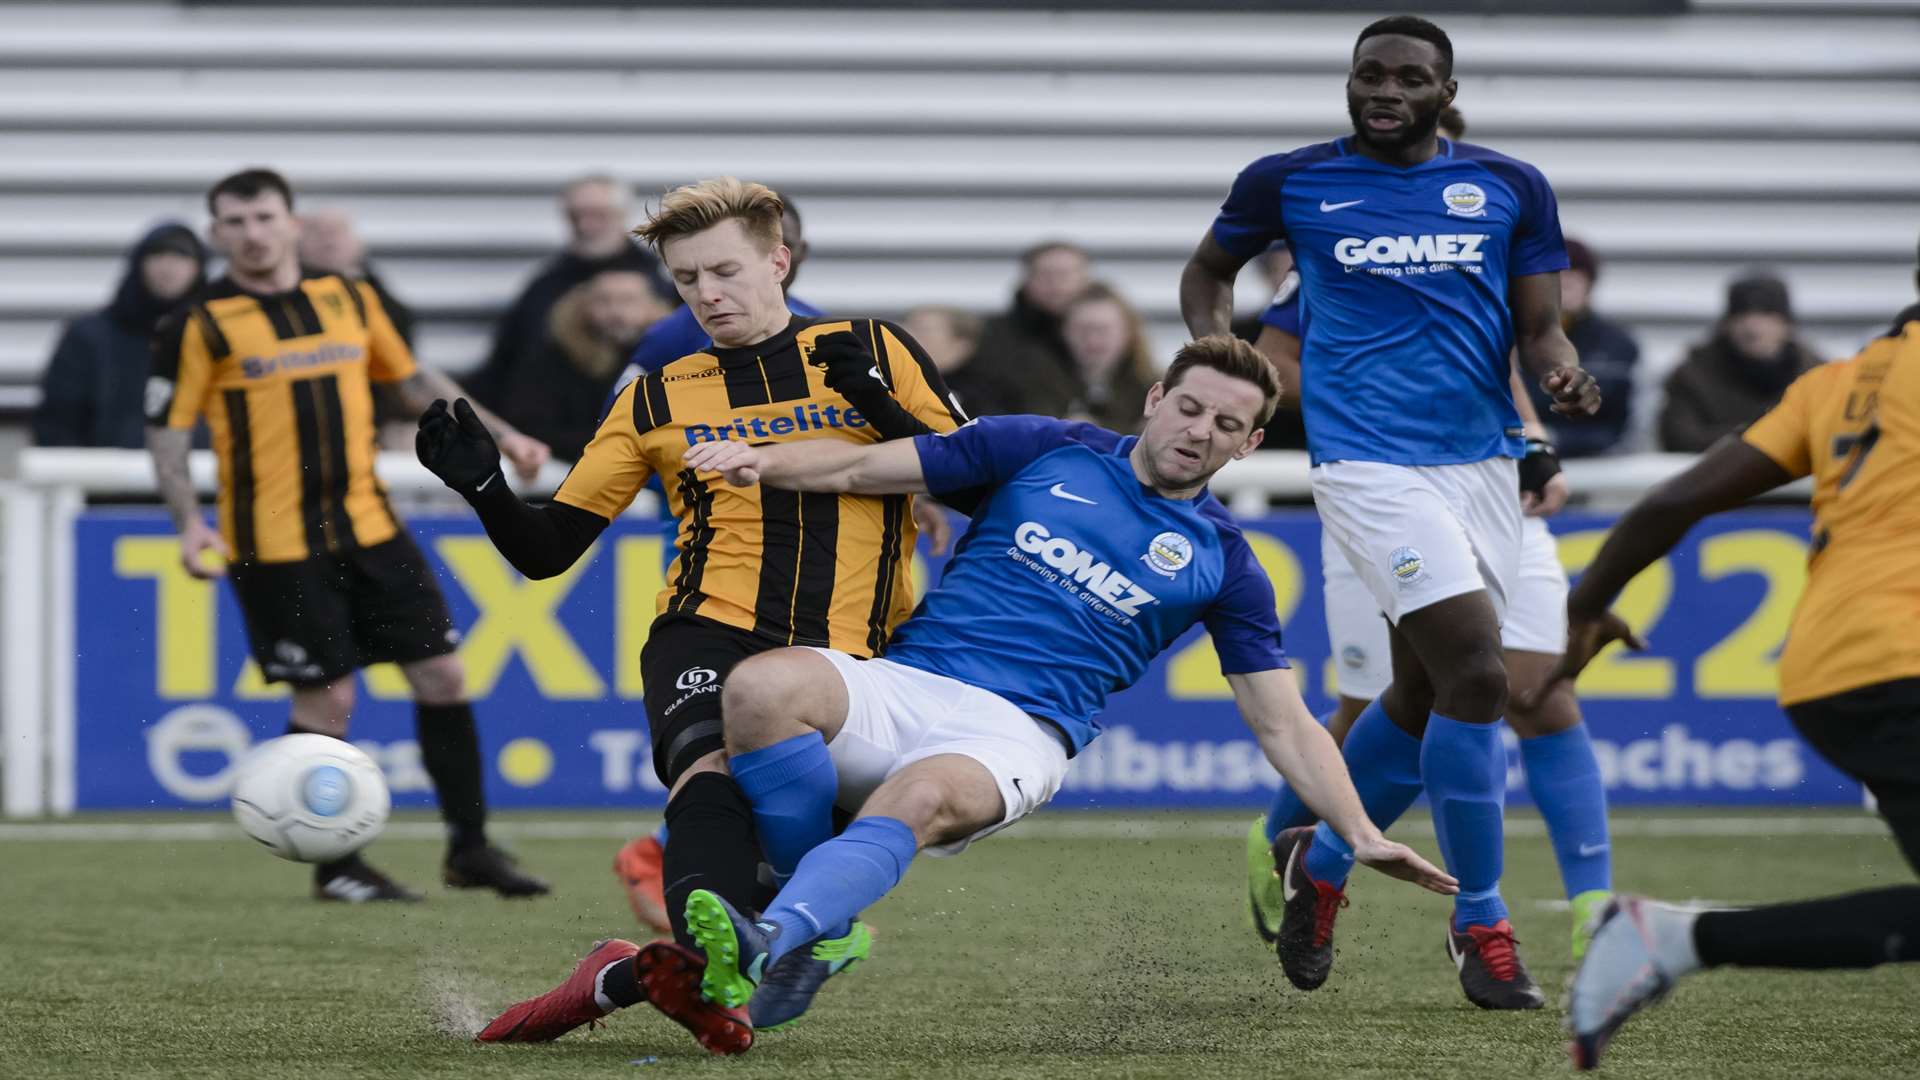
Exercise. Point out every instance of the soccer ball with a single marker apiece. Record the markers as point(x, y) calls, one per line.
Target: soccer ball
point(310, 798)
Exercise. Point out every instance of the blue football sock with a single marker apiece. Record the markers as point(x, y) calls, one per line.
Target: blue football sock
point(839, 879)
point(1287, 811)
point(1465, 768)
point(791, 785)
point(1385, 764)
point(1564, 779)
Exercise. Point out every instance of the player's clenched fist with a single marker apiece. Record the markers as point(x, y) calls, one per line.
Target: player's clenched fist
point(1573, 389)
point(737, 462)
point(456, 447)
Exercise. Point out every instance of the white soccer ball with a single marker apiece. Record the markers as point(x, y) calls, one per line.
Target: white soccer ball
point(310, 798)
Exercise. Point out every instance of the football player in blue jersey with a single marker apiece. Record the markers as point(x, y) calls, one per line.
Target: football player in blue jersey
point(1423, 263)
point(1089, 553)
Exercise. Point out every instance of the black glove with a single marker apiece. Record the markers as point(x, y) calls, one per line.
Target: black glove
point(456, 447)
point(854, 374)
point(1541, 464)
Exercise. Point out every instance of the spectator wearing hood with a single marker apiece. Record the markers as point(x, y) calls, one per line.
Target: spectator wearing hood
point(91, 392)
point(1732, 379)
point(1606, 348)
point(1024, 349)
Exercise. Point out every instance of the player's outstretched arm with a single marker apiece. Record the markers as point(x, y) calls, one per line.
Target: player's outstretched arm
point(454, 444)
point(1727, 475)
point(888, 468)
point(1306, 756)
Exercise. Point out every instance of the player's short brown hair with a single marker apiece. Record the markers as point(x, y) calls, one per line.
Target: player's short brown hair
point(1231, 357)
point(250, 184)
point(697, 207)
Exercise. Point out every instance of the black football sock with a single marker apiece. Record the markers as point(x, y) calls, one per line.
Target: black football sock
point(711, 845)
point(1858, 930)
point(450, 752)
point(621, 984)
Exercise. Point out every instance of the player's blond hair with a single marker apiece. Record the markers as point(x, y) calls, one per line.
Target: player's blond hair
point(697, 207)
point(1232, 357)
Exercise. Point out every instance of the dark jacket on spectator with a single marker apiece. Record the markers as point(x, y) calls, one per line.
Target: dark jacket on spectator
point(1117, 407)
point(90, 393)
point(520, 339)
point(1608, 351)
point(1716, 391)
point(1020, 366)
point(558, 399)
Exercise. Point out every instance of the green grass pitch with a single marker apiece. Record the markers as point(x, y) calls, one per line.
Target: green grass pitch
point(1075, 946)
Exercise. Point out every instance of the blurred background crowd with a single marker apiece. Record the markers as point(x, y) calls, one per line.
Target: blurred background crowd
point(1017, 188)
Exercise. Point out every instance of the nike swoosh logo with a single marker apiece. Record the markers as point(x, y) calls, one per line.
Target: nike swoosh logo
point(1588, 851)
point(1287, 891)
point(484, 483)
point(1459, 958)
point(1059, 491)
point(1328, 208)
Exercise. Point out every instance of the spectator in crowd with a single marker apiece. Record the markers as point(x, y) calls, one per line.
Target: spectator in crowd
point(597, 209)
point(1023, 349)
point(330, 244)
point(1728, 381)
point(1112, 359)
point(590, 333)
point(1607, 349)
point(951, 337)
point(91, 393)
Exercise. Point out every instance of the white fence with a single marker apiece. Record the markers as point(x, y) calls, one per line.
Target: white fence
point(37, 616)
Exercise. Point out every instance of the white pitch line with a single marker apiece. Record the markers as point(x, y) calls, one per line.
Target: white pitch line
point(1062, 826)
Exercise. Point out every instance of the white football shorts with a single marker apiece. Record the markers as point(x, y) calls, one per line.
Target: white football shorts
point(1536, 614)
point(1420, 534)
point(897, 715)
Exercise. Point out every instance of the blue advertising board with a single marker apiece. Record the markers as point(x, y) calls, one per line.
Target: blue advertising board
point(166, 697)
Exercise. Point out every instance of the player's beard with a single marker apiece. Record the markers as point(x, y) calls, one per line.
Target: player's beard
point(1419, 129)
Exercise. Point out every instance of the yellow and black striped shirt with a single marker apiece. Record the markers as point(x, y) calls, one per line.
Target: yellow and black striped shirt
point(285, 383)
point(799, 568)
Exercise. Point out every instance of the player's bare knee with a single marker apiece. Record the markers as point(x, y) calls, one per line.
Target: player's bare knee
point(1475, 691)
point(439, 680)
point(775, 696)
point(324, 709)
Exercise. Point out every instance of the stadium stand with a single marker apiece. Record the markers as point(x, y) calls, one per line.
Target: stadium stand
point(929, 148)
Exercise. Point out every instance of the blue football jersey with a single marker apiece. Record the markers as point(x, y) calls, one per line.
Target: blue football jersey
point(1404, 278)
point(1074, 575)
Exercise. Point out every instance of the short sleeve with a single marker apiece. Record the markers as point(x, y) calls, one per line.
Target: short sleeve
point(1785, 432)
point(181, 375)
point(990, 450)
point(388, 357)
point(1250, 219)
point(1283, 313)
point(916, 384)
point(1242, 621)
point(1537, 245)
point(613, 468)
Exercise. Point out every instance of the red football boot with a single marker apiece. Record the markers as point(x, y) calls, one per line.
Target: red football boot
point(671, 972)
point(563, 1008)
